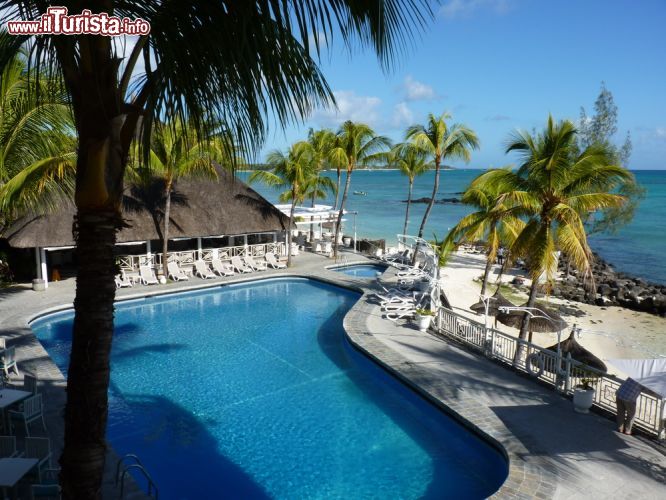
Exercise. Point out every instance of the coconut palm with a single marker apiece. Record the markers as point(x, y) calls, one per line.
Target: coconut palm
point(441, 141)
point(412, 162)
point(493, 221)
point(356, 144)
point(322, 142)
point(553, 186)
point(237, 63)
point(295, 171)
point(37, 147)
point(175, 152)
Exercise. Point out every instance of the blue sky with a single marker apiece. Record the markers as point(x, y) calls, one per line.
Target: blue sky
point(498, 65)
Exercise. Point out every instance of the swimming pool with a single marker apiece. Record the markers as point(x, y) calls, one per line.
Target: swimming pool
point(361, 270)
point(252, 391)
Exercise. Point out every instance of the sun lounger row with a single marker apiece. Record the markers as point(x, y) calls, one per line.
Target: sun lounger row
point(241, 265)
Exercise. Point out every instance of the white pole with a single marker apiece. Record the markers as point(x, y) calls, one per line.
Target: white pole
point(199, 247)
point(45, 272)
point(355, 232)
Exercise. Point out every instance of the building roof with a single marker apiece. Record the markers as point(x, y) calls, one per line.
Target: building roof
point(199, 208)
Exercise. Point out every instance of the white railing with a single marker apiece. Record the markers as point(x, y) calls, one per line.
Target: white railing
point(131, 263)
point(563, 373)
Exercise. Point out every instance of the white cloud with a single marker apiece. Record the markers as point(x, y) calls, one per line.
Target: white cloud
point(352, 107)
point(417, 91)
point(464, 8)
point(402, 115)
point(660, 133)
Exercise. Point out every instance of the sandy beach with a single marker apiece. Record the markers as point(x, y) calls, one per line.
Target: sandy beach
point(608, 332)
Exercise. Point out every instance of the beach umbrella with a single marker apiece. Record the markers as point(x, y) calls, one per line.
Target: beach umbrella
point(495, 301)
point(650, 373)
point(578, 353)
point(539, 321)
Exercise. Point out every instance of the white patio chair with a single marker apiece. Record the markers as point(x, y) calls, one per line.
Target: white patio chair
point(147, 276)
point(239, 266)
point(32, 410)
point(123, 281)
point(8, 361)
point(48, 487)
point(39, 448)
point(273, 262)
point(256, 266)
point(201, 270)
point(30, 383)
point(222, 269)
point(175, 272)
point(401, 313)
point(8, 447)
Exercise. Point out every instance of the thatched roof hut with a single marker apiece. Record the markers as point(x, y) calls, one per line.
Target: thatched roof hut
point(578, 353)
point(200, 208)
point(538, 322)
point(496, 301)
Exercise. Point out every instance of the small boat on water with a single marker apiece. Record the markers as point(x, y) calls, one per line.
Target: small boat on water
point(360, 193)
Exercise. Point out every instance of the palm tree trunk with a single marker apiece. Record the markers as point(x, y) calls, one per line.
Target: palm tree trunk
point(486, 274)
point(435, 188)
point(314, 194)
point(337, 190)
point(342, 208)
point(524, 327)
point(409, 202)
point(291, 218)
point(165, 238)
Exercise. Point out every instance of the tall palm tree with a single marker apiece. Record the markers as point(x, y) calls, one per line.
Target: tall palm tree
point(237, 62)
point(494, 222)
point(295, 171)
point(322, 142)
point(176, 152)
point(37, 146)
point(412, 162)
point(554, 184)
point(442, 142)
point(356, 144)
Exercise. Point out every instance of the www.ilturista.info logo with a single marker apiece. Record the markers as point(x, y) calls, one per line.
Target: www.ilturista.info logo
point(57, 22)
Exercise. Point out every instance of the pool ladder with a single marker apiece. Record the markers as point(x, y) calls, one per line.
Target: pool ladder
point(137, 465)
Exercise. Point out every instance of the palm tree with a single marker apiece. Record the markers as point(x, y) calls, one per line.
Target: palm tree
point(175, 152)
point(412, 162)
point(295, 171)
point(37, 147)
point(322, 142)
point(356, 144)
point(494, 222)
point(236, 63)
point(441, 141)
point(553, 186)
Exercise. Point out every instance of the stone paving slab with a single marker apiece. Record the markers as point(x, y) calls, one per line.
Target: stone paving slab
point(552, 452)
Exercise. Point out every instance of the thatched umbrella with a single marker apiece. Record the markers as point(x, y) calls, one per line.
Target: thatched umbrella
point(578, 352)
point(542, 319)
point(495, 301)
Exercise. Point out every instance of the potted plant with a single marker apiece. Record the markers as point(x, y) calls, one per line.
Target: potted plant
point(423, 318)
point(583, 396)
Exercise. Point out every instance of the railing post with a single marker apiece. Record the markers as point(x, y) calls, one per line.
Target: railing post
point(567, 373)
point(439, 320)
point(491, 345)
point(661, 430)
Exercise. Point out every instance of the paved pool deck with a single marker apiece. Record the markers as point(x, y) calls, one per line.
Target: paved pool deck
point(552, 451)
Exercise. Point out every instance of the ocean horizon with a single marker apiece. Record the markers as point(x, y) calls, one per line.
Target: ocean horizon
point(636, 249)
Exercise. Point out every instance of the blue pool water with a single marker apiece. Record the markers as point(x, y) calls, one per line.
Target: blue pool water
point(361, 270)
point(252, 391)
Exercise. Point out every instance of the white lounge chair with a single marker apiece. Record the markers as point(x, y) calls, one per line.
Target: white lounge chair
point(201, 270)
point(239, 266)
point(147, 276)
point(273, 262)
point(256, 266)
point(8, 361)
point(175, 272)
point(123, 281)
point(222, 269)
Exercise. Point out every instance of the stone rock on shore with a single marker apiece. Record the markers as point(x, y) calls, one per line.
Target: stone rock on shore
point(613, 288)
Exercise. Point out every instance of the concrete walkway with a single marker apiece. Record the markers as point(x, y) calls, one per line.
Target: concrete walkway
point(553, 452)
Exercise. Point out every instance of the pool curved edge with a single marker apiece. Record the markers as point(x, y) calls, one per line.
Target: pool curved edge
point(360, 338)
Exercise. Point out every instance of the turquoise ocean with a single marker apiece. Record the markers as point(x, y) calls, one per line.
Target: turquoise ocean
point(639, 248)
